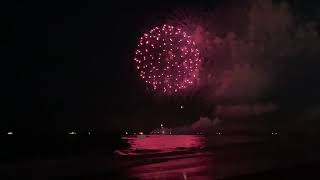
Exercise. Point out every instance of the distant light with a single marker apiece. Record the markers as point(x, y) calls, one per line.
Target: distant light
point(10, 133)
point(127, 133)
point(181, 107)
point(72, 133)
point(89, 132)
point(161, 125)
point(141, 133)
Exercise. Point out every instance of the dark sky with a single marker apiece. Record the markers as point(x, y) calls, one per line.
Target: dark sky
point(69, 65)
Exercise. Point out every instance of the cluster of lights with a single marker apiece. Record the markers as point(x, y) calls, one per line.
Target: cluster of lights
point(167, 59)
point(72, 133)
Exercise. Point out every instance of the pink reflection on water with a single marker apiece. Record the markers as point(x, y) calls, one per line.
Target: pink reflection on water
point(164, 142)
point(173, 157)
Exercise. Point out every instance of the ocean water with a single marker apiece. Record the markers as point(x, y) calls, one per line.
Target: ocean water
point(151, 157)
point(187, 156)
point(206, 157)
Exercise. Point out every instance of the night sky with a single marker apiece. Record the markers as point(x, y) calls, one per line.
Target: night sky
point(69, 65)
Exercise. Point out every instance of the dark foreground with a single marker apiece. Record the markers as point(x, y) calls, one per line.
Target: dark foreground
point(159, 157)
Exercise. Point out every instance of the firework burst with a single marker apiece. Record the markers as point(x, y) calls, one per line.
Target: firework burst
point(167, 59)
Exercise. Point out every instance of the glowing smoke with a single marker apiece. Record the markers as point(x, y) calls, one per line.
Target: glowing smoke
point(203, 125)
point(247, 66)
point(244, 82)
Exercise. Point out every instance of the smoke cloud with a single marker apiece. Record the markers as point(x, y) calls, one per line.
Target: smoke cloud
point(244, 110)
point(266, 61)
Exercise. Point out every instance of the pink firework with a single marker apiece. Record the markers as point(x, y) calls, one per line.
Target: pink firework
point(167, 59)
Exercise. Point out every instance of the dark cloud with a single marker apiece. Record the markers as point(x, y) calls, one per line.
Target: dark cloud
point(244, 110)
point(243, 81)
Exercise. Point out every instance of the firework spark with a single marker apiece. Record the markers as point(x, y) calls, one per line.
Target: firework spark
point(167, 59)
